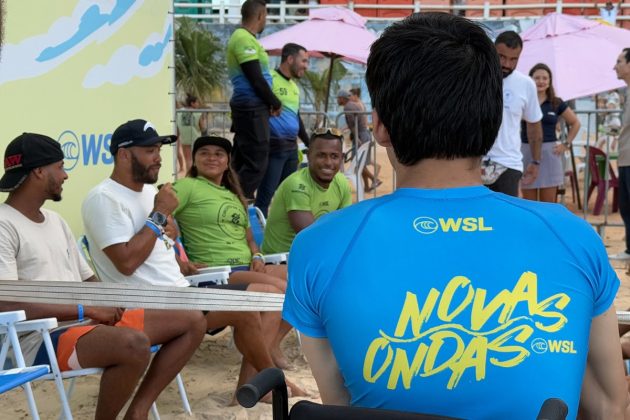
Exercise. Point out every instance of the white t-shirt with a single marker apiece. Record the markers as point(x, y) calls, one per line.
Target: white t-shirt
point(34, 251)
point(113, 214)
point(520, 102)
point(43, 251)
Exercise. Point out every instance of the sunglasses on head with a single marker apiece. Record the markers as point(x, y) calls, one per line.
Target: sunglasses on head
point(331, 131)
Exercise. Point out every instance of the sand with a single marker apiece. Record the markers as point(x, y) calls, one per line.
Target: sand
point(211, 374)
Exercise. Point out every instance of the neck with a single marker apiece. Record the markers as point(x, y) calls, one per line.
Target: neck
point(126, 179)
point(27, 203)
point(542, 97)
point(250, 27)
point(284, 69)
point(439, 173)
point(216, 180)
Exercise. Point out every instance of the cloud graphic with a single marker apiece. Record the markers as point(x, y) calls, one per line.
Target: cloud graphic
point(91, 21)
point(130, 61)
point(153, 53)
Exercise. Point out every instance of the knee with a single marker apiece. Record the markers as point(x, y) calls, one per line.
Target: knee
point(135, 346)
point(266, 288)
point(198, 324)
point(246, 319)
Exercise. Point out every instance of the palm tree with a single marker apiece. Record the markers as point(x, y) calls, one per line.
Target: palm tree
point(199, 60)
point(315, 85)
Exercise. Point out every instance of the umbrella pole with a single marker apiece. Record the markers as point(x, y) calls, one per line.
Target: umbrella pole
point(329, 82)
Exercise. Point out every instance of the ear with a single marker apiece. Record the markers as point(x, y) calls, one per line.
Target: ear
point(380, 132)
point(38, 173)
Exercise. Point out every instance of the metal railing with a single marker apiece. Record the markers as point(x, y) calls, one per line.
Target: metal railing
point(227, 11)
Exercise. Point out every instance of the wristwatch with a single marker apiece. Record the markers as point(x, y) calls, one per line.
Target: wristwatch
point(158, 218)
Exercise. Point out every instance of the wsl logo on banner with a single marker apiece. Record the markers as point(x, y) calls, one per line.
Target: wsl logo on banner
point(85, 149)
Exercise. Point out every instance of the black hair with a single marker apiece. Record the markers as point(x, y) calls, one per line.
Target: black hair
point(229, 180)
point(190, 99)
point(291, 49)
point(327, 136)
point(626, 54)
point(510, 38)
point(251, 8)
point(446, 100)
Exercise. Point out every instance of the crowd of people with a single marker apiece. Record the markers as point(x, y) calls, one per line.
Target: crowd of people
point(461, 293)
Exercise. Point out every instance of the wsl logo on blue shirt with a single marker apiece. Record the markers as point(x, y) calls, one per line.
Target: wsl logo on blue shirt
point(85, 149)
point(429, 225)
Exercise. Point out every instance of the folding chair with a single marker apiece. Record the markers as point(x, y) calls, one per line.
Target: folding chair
point(272, 379)
point(257, 223)
point(354, 170)
point(20, 375)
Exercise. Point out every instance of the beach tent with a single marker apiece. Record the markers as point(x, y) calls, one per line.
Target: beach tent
point(580, 52)
point(333, 32)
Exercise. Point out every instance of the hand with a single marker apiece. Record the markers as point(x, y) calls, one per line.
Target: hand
point(530, 175)
point(257, 265)
point(188, 268)
point(199, 265)
point(171, 228)
point(275, 112)
point(559, 149)
point(103, 314)
point(166, 200)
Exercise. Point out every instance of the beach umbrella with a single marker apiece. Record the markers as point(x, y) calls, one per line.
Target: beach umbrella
point(333, 32)
point(580, 52)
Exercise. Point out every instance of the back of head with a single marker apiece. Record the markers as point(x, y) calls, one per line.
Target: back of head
point(510, 39)
point(251, 8)
point(445, 100)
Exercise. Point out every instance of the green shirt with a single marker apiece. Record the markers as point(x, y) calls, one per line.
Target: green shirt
point(300, 192)
point(213, 223)
point(243, 47)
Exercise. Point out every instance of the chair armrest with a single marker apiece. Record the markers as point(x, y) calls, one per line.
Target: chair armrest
point(218, 278)
point(218, 269)
point(276, 258)
point(270, 379)
point(11, 317)
point(36, 324)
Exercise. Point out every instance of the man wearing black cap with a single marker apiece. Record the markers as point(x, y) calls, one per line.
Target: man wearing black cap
point(38, 245)
point(125, 217)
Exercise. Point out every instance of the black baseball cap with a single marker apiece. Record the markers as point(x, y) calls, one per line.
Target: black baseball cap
point(137, 133)
point(212, 141)
point(25, 153)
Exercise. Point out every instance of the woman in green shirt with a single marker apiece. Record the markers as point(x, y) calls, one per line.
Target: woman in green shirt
point(212, 217)
point(213, 221)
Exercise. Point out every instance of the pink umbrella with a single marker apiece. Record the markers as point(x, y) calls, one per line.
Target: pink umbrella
point(334, 32)
point(580, 52)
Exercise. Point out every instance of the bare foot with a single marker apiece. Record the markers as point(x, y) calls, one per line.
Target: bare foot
point(294, 390)
point(280, 360)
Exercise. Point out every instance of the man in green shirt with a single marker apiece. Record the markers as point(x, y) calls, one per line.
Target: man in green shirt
point(252, 99)
point(309, 193)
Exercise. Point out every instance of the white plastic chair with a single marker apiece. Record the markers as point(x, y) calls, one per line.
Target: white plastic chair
point(354, 169)
point(20, 375)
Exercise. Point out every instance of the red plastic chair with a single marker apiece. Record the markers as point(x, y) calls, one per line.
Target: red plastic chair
point(598, 181)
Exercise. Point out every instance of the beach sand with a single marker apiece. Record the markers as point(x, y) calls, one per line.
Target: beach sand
point(211, 374)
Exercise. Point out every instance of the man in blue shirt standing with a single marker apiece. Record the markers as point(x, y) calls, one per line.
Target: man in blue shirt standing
point(446, 297)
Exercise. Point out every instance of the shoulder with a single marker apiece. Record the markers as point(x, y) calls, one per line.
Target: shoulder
point(341, 181)
point(337, 227)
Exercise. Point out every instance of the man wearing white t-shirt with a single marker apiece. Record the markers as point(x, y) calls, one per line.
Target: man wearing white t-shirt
point(125, 217)
point(37, 244)
point(520, 102)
